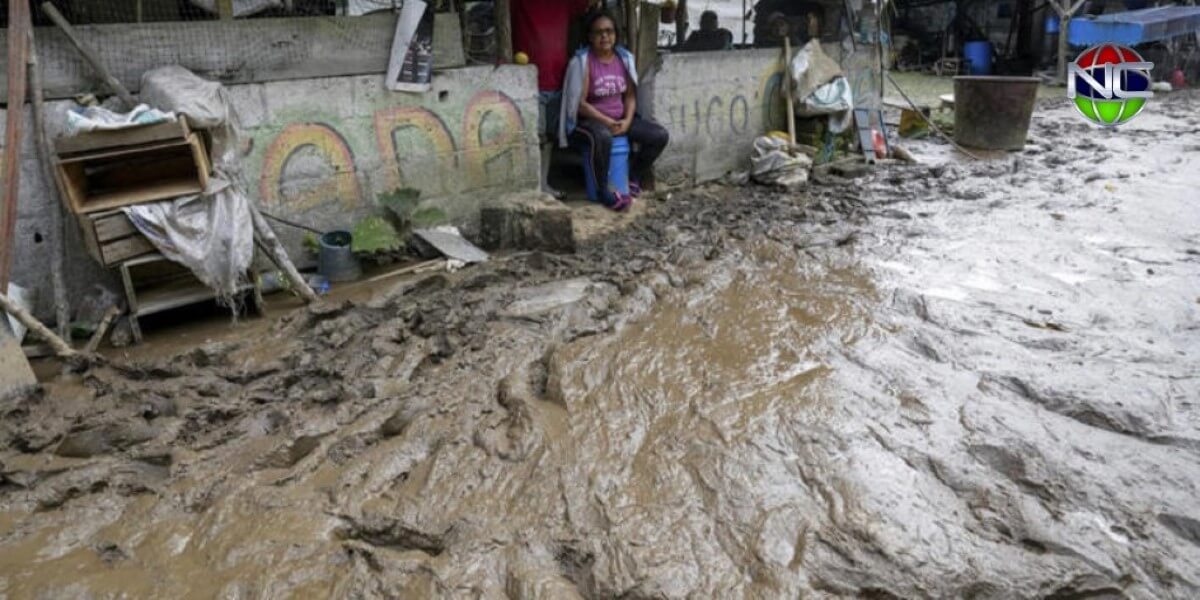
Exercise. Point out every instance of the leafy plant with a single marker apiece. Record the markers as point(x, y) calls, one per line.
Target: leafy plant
point(375, 234)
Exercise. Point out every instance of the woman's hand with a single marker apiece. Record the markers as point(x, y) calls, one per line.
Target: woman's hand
point(622, 127)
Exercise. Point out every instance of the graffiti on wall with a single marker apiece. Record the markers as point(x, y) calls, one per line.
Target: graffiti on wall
point(729, 112)
point(415, 148)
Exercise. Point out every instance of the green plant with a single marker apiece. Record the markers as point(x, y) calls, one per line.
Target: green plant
point(311, 244)
point(375, 234)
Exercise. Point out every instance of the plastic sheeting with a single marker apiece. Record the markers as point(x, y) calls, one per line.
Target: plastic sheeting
point(775, 163)
point(211, 234)
point(818, 83)
point(241, 8)
point(205, 103)
point(98, 118)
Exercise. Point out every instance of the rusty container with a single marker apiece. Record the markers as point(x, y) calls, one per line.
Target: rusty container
point(993, 113)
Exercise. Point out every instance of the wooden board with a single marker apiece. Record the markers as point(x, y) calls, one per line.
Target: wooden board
point(238, 51)
point(112, 225)
point(125, 248)
point(133, 136)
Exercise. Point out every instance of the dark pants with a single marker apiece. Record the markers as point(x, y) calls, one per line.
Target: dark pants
point(592, 136)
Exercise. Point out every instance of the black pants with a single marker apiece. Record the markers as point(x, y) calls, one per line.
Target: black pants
point(592, 136)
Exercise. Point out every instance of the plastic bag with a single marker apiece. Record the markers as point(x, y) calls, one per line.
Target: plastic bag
point(775, 163)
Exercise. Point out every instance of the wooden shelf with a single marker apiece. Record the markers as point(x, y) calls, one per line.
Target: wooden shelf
point(148, 192)
point(110, 178)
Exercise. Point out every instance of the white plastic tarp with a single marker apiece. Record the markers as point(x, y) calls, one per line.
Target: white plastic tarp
point(211, 234)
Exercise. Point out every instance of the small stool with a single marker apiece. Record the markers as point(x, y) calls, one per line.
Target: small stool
point(618, 169)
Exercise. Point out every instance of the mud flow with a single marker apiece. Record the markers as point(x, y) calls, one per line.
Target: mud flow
point(951, 380)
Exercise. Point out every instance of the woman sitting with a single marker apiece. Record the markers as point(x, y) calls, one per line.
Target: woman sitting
point(600, 102)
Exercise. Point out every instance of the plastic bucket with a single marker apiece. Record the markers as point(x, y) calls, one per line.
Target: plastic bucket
point(336, 260)
point(979, 57)
point(618, 169)
point(993, 113)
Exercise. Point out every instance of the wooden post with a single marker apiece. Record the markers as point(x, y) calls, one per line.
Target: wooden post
point(55, 207)
point(279, 256)
point(504, 41)
point(647, 43)
point(787, 87)
point(631, 25)
point(1065, 11)
point(61, 348)
point(18, 53)
point(681, 22)
point(225, 10)
point(88, 55)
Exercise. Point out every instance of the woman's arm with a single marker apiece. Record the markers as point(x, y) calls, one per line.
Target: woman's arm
point(630, 98)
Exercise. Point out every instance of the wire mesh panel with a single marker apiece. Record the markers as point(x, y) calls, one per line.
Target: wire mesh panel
point(264, 40)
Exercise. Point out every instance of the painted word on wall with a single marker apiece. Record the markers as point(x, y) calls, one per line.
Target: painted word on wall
point(309, 164)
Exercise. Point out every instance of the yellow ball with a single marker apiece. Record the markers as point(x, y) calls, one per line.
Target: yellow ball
point(521, 58)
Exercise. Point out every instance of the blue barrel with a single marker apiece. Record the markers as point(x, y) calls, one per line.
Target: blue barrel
point(618, 169)
point(1052, 23)
point(979, 57)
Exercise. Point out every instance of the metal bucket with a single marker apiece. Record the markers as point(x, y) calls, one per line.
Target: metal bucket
point(335, 260)
point(992, 113)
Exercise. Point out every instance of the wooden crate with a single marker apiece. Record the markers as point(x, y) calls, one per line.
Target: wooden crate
point(106, 178)
point(111, 238)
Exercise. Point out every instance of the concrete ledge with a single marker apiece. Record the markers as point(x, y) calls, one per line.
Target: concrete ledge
point(527, 221)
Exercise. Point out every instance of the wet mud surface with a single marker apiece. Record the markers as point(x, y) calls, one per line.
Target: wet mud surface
point(955, 379)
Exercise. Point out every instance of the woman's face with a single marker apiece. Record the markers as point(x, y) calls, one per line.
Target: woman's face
point(603, 34)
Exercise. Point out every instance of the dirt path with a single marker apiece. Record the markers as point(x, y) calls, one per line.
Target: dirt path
point(951, 380)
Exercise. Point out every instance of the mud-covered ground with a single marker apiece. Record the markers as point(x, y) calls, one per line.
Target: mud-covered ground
point(956, 379)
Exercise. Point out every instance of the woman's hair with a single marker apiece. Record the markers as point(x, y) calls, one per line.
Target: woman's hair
point(592, 17)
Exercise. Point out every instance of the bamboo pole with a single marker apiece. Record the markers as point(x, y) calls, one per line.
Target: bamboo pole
point(60, 347)
point(88, 54)
point(54, 208)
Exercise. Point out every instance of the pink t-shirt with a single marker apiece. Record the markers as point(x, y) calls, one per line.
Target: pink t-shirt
point(608, 83)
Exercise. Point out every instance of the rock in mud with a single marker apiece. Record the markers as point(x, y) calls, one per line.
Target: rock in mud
point(527, 221)
point(104, 439)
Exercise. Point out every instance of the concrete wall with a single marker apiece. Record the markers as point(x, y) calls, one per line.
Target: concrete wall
point(320, 151)
point(715, 104)
point(32, 234)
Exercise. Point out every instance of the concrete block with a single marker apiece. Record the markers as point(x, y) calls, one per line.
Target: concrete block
point(527, 221)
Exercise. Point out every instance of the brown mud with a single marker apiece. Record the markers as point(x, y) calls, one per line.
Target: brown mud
point(955, 379)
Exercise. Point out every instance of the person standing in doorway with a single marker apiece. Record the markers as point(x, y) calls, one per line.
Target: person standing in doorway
point(600, 103)
point(539, 30)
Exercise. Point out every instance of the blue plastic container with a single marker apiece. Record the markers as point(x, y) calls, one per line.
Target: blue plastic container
point(979, 57)
point(1052, 23)
point(618, 169)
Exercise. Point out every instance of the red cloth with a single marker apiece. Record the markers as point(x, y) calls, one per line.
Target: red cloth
point(539, 29)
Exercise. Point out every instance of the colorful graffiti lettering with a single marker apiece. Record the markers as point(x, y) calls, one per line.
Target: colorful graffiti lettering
point(416, 149)
point(330, 145)
point(492, 134)
point(391, 122)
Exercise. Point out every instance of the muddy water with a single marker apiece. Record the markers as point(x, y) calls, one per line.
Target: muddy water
point(949, 380)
